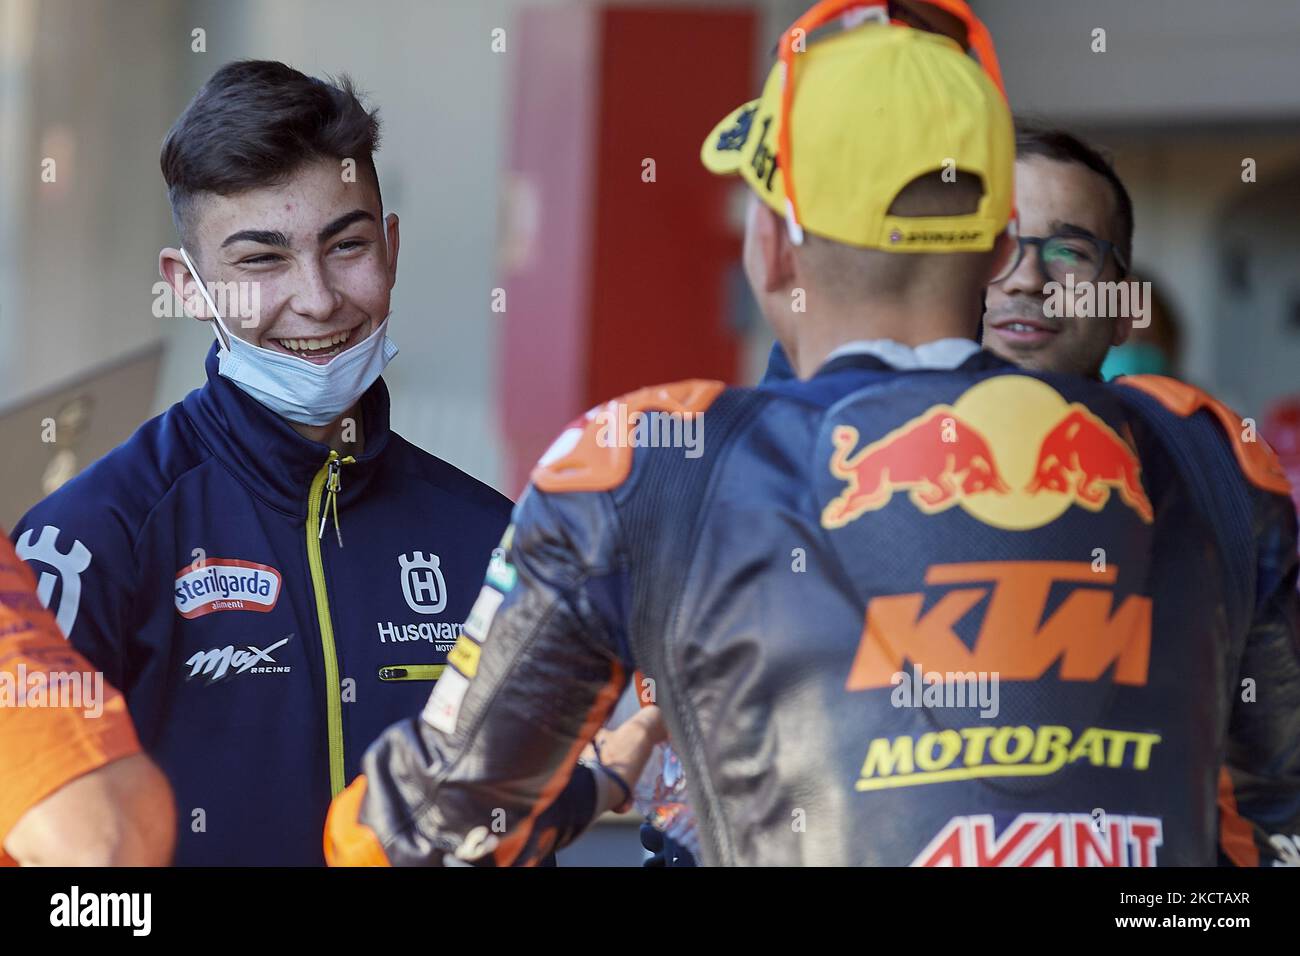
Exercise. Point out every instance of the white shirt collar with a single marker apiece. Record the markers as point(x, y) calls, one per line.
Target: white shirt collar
point(939, 354)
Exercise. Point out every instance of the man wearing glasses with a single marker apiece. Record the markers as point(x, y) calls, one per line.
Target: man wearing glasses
point(1076, 228)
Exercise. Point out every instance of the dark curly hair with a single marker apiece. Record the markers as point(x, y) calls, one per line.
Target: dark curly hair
point(255, 122)
point(1033, 139)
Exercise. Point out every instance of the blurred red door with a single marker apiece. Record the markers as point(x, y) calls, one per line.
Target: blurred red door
point(616, 246)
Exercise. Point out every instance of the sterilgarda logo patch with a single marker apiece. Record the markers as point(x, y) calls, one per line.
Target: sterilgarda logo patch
point(225, 584)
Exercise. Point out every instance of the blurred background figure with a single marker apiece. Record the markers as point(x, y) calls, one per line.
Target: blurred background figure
point(543, 155)
point(1152, 349)
point(1281, 429)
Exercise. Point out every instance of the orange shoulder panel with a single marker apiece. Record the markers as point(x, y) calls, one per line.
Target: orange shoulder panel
point(595, 452)
point(348, 841)
point(44, 747)
point(1258, 461)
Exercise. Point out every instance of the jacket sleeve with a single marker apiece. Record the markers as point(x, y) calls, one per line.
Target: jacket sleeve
point(483, 774)
point(44, 747)
point(79, 547)
point(1263, 772)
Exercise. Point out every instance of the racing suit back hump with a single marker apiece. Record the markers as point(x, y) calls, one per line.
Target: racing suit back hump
point(921, 622)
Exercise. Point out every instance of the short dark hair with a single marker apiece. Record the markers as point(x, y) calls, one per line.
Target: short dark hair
point(1033, 139)
point(253, 124)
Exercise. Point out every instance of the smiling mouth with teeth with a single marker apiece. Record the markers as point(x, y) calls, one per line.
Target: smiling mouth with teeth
point(317, 348)
point(1026, 325)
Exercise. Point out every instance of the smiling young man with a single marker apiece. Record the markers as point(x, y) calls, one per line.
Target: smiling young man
point(1077, 218)
point(267, 571)
point(1077, 226)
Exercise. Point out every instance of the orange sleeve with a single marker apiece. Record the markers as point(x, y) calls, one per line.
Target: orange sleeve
point(44, 744)
point(348, 841)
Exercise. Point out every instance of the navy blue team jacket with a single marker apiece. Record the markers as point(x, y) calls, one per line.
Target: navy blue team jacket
point(259, 657)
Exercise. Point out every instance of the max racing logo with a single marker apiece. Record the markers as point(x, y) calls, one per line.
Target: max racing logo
point(225, 584)
point(220, 663)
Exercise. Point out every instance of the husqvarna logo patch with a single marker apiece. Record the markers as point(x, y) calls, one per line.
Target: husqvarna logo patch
point(423, 585)
point(225, 584)
point(70, 564)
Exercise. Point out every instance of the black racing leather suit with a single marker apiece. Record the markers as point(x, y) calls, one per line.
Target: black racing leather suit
point(973, 617)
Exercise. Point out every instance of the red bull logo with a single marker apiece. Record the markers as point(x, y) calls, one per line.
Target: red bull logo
point(1010, 452)
point(938, 458)
point(1082, 456)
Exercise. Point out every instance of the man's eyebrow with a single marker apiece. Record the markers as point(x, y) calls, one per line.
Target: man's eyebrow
point(1070, 229)
point(265, 237)
point(342, 222)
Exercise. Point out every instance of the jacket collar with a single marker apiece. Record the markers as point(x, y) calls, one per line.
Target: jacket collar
point(938, 354)
point(264, 453)
point(976, 361)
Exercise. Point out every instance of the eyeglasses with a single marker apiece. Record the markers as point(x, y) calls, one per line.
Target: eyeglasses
point(978, 41)
point(1065, 258)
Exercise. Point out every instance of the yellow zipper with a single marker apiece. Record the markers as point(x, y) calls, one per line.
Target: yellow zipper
point(396, 672)
point(333, 688)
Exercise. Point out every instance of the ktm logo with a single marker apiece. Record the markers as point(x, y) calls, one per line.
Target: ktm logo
point(1085, 635)
point(1009, 451)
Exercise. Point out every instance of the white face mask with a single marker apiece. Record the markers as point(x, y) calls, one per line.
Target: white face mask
point(292, 387)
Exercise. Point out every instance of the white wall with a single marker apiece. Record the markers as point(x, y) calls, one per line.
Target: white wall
point(89, 85)
point(1165, 60)
point(1185, 90)
point(1180, 191)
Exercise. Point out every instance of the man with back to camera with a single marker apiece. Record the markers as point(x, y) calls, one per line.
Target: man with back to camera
point(1077, 225)
point(1076, 228)
point(270, 573)
point(749, 583)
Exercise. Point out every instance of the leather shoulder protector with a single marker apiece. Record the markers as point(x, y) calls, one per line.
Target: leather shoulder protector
point(1258, 461)
point(595, 452)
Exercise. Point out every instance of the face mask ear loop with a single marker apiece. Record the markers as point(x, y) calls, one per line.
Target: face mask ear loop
point(218, 326)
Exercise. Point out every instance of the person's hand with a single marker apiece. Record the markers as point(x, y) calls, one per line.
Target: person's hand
point(121, 814)
point(625, 750)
